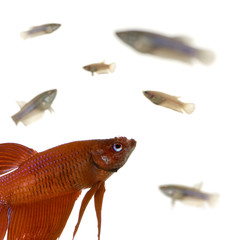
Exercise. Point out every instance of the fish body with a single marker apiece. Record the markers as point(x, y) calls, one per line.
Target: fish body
point(177, 48)
point(189, 195)
point(169, 101)
point(40, 30)
point(100, 68)
point(37, 197)
point(35, 108)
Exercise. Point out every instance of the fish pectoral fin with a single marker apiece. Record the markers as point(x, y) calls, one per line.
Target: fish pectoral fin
point(12, 155)
point(173, 201)
point(21, 104)
point(51, 110)
point(41, 220)
point(85, 202)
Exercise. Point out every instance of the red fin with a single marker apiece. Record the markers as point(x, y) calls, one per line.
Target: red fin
point(98, 199)
point(3, 220)
point(12, 155)
point(40, 220)
point(84, 204)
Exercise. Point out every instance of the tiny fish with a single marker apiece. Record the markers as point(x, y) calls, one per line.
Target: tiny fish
point(38, 189)
point(40, 30)
point(189, 195)
point(34, 109)
point(169, 101)
point(177, 48)
point(100, 68)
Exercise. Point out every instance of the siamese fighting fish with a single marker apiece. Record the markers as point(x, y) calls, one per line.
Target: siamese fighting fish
point(35, 108)
point(40, 30)
point(189, 195)
point(169, 101)
point(100, 68)
point(175, 48)
point(38, 189)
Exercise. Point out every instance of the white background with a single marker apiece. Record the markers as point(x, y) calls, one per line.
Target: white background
point(171, 147)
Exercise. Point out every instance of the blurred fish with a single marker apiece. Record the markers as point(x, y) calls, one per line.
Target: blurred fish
point(34, 109)
point(177, 48)
point(169, 101)
point(189, 195)
point(100, 68)
point(40, 30)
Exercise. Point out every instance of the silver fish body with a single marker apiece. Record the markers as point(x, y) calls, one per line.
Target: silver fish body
point(40, 30)
point(189, 195)
point(177, 48)
point(35, 107)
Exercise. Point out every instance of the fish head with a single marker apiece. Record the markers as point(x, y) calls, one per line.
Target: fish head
point(90, 68)
point(129, 37)
point(112, 154)
point(171, 191)
point(47, 98)
point(153, 97)
point(136, 39)
point(53, 27)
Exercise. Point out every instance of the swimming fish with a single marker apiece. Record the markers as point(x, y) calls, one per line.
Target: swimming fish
point(34, 109)
point(176, 48)
point(100, 68)
point(189, 195)
point(169, 101)
point(39, 189)
point(40, 30)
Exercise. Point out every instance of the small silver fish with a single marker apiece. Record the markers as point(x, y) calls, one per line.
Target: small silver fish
point(177, 48)
point(189, 195)
point(100, 68)
point(40, 30)
point(169, 101)
point(34, 109)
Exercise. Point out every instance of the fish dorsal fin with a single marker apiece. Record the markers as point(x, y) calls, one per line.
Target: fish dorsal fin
point(21, 104)
point(12, 155)
point(41, 220)
point(198, 186)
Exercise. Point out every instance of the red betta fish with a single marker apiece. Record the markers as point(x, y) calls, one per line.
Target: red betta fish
point(38, 195)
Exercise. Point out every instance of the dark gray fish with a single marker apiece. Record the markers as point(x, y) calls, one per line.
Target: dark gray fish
point(169, 101)
point(177, 48)
point(100, 68)
point(189, 195)
point(40, 30)
point(34, 109)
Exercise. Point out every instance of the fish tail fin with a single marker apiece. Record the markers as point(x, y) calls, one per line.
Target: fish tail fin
point(213, 199)
point(205, 56)
point(24, 35)
point(112, 67)
point(3, 220)
point(189, 107)
point(15, 118)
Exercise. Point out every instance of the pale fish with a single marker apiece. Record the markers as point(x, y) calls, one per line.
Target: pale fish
point(189, 195)
point(40, 30)
point(34, 109)
point(169, 101)
point(177, 48)
point(100, 68)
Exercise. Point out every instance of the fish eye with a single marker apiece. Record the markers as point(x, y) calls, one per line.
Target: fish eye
point(117, 147)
